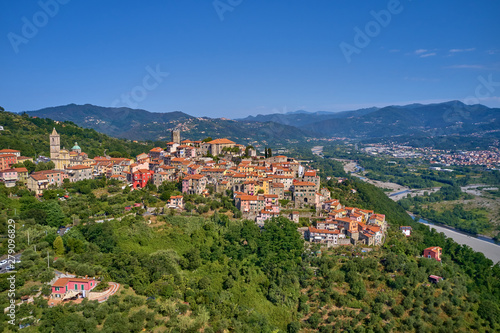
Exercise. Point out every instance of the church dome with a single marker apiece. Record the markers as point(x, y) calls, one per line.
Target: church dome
point(76, 147)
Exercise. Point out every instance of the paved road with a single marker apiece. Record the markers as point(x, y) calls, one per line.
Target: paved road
point(102, 297)
point(3, 267)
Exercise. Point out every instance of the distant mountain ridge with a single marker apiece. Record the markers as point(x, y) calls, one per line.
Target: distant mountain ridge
point(138, 124)
point(415, 120)
point(301, 118)
point(449, 118)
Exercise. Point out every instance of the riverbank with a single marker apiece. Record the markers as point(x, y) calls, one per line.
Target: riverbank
point(489, 248)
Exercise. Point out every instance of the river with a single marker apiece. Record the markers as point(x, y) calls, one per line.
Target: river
point(485, 246)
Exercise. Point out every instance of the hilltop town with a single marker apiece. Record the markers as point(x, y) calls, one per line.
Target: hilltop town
point(188, 221)
point(262, 187)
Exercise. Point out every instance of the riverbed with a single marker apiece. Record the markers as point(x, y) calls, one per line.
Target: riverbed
point(488, 248)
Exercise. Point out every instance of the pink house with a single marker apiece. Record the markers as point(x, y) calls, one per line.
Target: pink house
point(65, 288)
point(433, 253)
point(8, 177)
point(271, 199)
point(176, 201)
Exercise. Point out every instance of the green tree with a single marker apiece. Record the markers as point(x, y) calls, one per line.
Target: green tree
point(293, 327)
point(58, 246)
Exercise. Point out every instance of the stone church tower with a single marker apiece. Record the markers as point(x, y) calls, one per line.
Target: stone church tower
point(176, 136)
point(55, 144)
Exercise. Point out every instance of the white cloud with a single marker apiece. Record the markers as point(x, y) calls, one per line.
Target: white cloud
point(420, 51)
point(462, 50)
point(428, 55)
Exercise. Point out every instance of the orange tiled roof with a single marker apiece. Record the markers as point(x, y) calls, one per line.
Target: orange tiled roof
point(304, 184)
point(62, 282)
point(77, 167)
point(221, 141)
point(323, 231)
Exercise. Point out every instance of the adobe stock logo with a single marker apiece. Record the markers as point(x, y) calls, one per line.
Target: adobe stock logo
point(372, 29)
point(40, 19)
point(137, 94)
point(222, 6)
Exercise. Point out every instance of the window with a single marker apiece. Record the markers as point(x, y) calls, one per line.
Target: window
point(76, 286)
point(57, 288)
point(82, 287)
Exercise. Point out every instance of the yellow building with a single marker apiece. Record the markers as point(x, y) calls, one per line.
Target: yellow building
point(64, 158)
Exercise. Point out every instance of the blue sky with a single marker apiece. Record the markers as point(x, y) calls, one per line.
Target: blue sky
point(231, 58)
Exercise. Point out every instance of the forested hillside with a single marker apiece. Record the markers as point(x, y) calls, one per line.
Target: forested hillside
point(206, 270)
point(31, 136)
point(210, 271)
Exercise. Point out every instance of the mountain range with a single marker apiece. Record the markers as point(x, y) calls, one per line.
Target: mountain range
point(137, 124)
point(415, 120)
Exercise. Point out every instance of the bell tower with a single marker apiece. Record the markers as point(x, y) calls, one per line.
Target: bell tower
point(55, 144)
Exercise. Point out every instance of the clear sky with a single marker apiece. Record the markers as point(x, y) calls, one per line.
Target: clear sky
point(231, 58)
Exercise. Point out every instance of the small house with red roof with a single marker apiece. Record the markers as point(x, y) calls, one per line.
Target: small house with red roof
point(66, 288)
point(406, 230)
point(8, 177)
point(433, 253)
point(176, 201)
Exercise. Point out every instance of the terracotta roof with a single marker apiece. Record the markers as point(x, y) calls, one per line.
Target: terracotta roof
point(344, 219)
point(323, 231)
point(156, 150)
point(78, 167)
point(304, 184)
point(221, 141)
point(196, 177)
point(7, 155)
point(247, 197)
point(332, 201)
point(21, 169)
point(45, 172)
point(62, 282)
point(9, 151)
point(268, 212)
point(38, 177)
